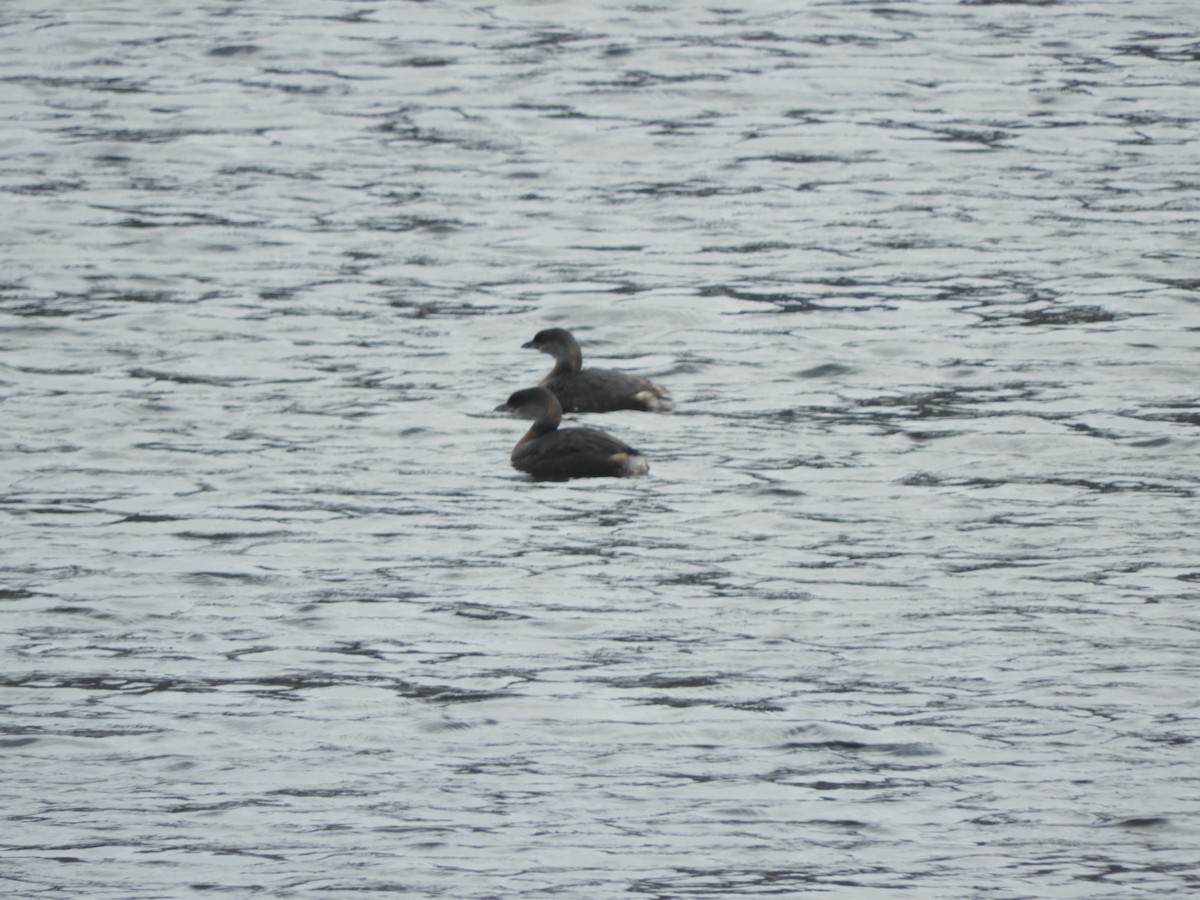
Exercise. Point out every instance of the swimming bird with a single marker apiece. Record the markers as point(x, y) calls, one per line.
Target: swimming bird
point(593, 390)
point(549, 453)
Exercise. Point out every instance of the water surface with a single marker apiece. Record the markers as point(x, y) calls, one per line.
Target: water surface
point(907, 604)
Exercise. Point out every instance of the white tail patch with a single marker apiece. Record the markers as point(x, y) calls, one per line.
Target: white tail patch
point(631, 463)
point(655, 402)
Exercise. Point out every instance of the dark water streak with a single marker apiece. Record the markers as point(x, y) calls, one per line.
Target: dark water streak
point(906, 604)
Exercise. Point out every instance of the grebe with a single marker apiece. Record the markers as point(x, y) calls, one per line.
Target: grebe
point(593, 390)
point(550, 454)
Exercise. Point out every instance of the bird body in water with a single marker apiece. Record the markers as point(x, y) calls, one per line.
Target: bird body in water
point(593, 390)
point(549, 453)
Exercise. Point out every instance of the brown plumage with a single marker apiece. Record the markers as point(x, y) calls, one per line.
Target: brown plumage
point(593, 390)
point(549, 453)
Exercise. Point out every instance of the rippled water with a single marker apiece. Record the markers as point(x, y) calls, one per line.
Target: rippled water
point(907, 603)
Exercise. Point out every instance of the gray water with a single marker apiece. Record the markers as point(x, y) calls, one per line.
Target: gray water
point(908, 603)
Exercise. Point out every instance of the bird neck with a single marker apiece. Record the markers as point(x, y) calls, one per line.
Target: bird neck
point(546, 423)
point(567, 361)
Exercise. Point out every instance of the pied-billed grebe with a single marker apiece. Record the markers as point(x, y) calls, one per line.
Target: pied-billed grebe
point(550, 454)
point(593, 390)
